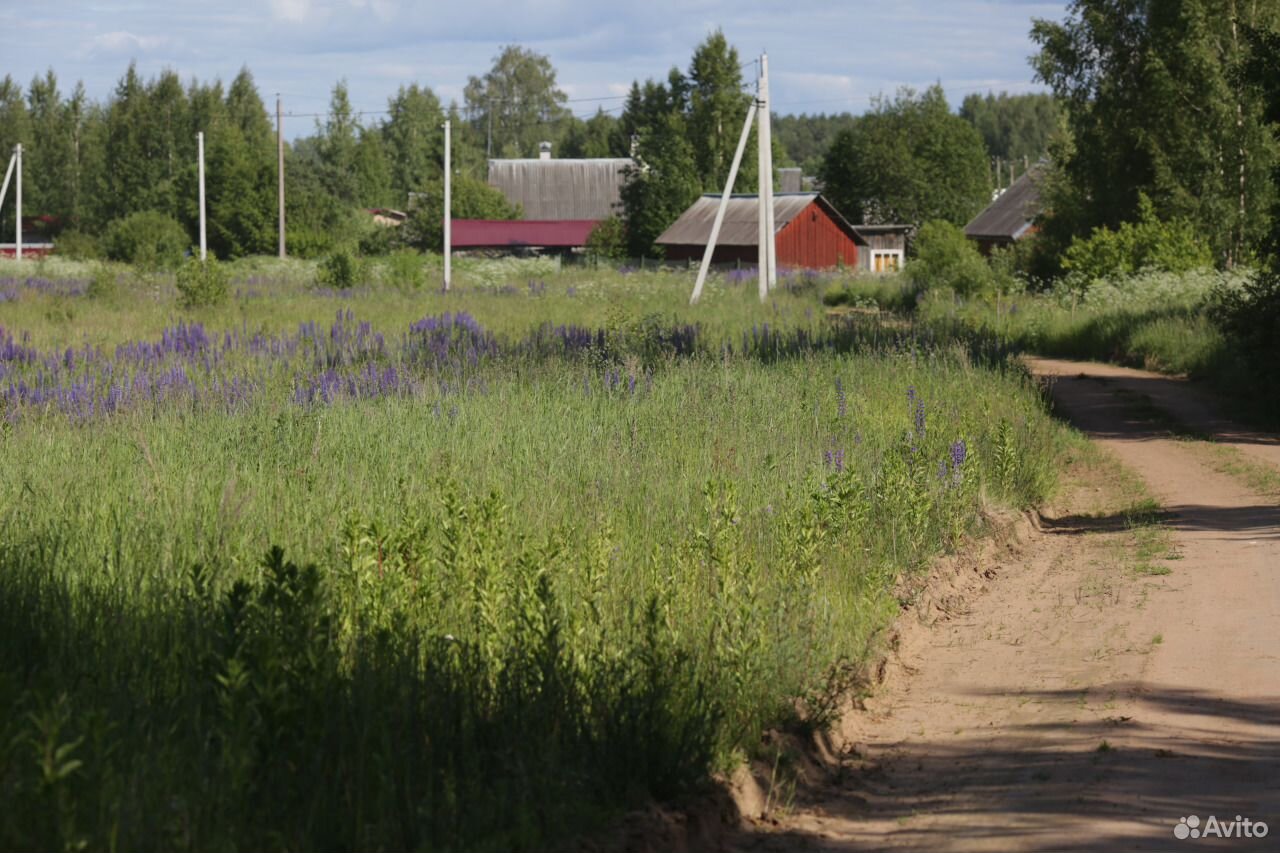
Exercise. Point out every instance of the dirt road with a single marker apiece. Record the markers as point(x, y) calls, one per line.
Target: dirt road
point(1114, 680)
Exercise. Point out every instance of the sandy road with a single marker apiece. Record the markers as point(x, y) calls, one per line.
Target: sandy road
point(1087, 700)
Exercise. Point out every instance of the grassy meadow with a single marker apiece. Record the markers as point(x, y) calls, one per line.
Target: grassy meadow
point(389, 568)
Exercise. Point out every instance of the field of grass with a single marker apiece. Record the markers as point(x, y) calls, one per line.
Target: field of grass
point(391, 568)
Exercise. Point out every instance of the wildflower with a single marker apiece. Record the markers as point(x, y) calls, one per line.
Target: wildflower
point(842, 405)
point(959, 452)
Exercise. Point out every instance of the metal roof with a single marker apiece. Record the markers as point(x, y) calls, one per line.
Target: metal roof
point(1010, 215)
point(562, 189)
point(741, 217)
point(521, 233)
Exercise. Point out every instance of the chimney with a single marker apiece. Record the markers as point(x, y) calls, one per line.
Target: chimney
point(544, 150)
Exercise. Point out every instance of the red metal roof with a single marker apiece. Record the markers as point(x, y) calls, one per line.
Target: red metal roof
point(498, 233)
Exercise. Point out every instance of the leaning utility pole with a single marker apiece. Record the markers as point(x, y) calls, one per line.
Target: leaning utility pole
point(448, 209)
point(724, 203)
point(280, 168)
point(200, 155)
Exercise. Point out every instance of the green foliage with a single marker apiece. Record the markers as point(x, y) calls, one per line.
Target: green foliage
point(608, 240)
point(341, 270)
point(945, 258)
point(104, 283)
point(202, 284)
point(149, 240)
point(907, 161)
point(471, 198)
point(514, 101)
point(1174, 246)
point(1013, 127)
point(661, 187)
point(405, 269)
point(806, 138)
point(1250, 318)
point(78, 245)
point(717, 109)
point(1153, 108)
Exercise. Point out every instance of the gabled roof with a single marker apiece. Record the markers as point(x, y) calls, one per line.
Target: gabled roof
point(562, 189)
point(741, 219)
point(1010, 215)
point(521, 233)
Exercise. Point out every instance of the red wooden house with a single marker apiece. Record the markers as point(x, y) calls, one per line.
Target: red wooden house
point(811, 234)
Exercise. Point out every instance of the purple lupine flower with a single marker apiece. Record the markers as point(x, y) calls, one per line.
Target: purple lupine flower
point(842, 406)
point(920, 420)
point(959, 452)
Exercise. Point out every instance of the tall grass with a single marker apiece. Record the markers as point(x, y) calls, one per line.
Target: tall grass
point(448, 589)
point(1154, 320)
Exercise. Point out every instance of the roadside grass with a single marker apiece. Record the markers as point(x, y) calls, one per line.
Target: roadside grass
point(279, 583)
point(1258, 476)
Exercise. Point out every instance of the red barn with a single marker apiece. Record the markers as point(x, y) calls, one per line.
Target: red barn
point(811, 234)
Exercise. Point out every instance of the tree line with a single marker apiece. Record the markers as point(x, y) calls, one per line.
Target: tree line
point(94, 167)
point(1147, 105)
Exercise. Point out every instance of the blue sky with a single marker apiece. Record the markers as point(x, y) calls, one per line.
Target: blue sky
point(823, 56)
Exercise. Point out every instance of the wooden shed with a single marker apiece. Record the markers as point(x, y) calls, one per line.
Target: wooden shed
point(811, 234)
point(1010, 217)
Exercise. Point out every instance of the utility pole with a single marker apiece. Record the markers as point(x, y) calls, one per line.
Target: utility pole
point(724, 203)
point(200, 155)
point(17, 154)
point(766, 148)
point(762, 218)
point(448, 208)
point(280, 168)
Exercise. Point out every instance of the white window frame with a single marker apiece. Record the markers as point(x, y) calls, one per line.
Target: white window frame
point(896, 254)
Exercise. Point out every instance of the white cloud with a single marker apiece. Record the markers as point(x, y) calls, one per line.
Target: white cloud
point(122, 42)
point(294, 11)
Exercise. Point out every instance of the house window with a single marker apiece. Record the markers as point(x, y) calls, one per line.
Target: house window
point(886, 260)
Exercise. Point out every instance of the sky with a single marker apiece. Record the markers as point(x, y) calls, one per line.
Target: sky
point(830, 56)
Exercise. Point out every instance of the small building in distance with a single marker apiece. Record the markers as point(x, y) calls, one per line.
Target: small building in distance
point(810, 234)
point(886, 249)
point(1010, 217)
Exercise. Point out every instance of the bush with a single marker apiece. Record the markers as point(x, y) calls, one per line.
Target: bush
point(405, 269)
point(148, 239)
point(78, 245)
point(608, 240)
point(340, 270)
point(945, 258)
point(1149, 243)
point(1250, 318)
point(202, 283)
point(103, 283)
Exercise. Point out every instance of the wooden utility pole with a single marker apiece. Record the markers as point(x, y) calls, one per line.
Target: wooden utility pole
point(724, 203)
point(280, 168)
point(200, 171)
point(448, 208)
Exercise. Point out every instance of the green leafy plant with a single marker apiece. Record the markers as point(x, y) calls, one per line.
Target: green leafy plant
point(202, 284)
point(339, 270)
point(149, 240)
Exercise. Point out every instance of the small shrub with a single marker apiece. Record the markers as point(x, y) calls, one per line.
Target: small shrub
point(1149, 243)
point(339, 270)
point(202, 283)
point(78, 245)
point(405, 270)
point(149, 240)
point(103, 284)
point(608, 240)
point(945, 258)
